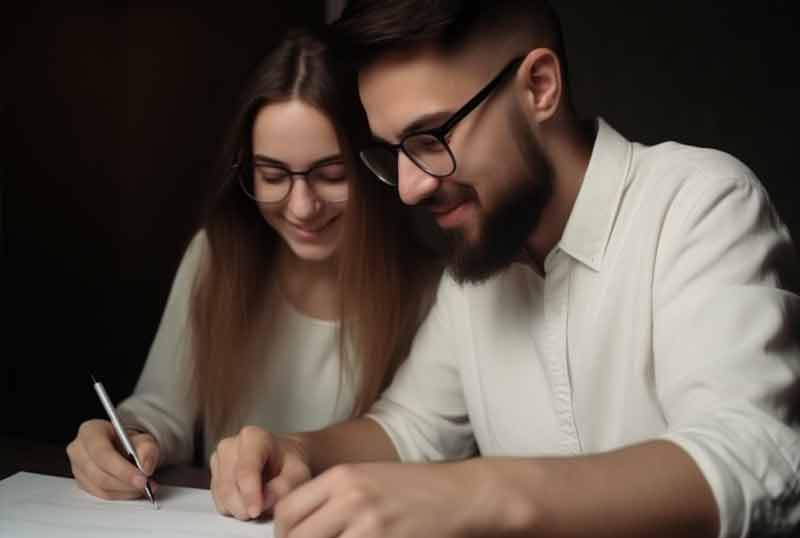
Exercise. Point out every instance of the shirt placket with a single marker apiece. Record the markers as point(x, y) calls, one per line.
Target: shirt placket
point(556, 301)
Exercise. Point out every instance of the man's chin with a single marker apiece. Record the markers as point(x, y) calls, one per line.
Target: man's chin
point(472, 262)
point(497, 242)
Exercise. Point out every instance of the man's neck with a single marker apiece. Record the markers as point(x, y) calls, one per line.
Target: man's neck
point(569, 152)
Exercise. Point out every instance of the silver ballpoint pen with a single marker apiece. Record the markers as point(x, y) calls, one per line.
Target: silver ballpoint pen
point(123, 437)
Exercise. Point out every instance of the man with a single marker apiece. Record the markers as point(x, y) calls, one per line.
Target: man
point(621, 339)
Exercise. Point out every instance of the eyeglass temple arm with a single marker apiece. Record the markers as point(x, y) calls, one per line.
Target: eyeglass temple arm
point(480, 96)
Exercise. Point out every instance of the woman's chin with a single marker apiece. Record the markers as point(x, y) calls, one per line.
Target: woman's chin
point(312, 253)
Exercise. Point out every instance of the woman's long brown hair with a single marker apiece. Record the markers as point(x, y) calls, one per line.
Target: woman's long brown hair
point(388, 278)
point(385, 287)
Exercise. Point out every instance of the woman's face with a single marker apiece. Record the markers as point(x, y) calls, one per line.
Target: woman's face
point(293, 135)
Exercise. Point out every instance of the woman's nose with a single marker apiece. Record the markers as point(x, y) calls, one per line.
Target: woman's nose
point(303, 202)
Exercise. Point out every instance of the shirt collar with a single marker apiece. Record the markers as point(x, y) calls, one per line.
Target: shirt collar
point(592, 218)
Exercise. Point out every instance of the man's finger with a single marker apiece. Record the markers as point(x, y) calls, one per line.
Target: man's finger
point(294, 473)
point(255, 451)
point(304, 500)
point(213, 464)
point(228, 495)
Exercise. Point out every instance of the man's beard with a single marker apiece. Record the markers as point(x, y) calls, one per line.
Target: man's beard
point(503, 232)
point(502, 235)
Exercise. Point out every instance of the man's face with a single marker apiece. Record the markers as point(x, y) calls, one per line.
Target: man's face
point(490, 205)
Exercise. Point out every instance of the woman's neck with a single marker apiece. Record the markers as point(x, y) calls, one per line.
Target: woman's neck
point(310, 286)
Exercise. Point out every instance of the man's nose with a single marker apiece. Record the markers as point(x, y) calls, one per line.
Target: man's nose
point(413, 183)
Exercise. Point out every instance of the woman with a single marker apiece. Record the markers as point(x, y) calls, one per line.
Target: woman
point(258, 328)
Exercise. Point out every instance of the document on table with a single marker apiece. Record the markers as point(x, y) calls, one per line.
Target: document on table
point(41, 506)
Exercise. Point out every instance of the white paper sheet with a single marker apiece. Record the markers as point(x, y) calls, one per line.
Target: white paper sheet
point(40, 506)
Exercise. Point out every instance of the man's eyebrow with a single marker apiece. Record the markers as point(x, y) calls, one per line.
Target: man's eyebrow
point(422, 123)
point(426, 121)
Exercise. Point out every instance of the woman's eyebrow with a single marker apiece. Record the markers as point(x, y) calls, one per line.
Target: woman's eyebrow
point(263, 159)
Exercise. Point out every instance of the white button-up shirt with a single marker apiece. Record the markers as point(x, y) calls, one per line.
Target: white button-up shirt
point(664, 313)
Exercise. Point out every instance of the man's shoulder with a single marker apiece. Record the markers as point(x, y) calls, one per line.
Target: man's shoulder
point(680, 176)
point(683, 161)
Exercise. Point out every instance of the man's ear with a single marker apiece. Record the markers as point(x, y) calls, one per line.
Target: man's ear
point(541, 80)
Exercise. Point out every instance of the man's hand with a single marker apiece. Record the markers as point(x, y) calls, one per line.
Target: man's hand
point(653, 489)
point(251, 471)
point(387, 500)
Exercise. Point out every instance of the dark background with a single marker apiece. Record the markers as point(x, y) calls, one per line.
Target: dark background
point(111, 117)
point(111, 121)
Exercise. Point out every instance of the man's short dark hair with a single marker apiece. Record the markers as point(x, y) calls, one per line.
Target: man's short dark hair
point(371, 29)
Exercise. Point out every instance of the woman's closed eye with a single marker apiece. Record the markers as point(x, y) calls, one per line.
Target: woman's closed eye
point(271, 174)
point(331, 172)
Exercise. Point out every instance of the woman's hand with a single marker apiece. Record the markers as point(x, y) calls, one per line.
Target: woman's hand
point(101, 469)
point(251, 471)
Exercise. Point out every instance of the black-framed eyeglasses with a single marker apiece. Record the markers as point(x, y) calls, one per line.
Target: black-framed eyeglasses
point(272, 183)
point(428, 149)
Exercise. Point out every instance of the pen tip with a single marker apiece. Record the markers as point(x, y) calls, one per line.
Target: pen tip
point(93, 379)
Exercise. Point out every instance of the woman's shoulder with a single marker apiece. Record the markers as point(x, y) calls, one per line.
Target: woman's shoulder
point(198, 244)
point(194, 255)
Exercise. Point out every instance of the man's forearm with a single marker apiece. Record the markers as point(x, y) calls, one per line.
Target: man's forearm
point(352, 441)
point(652, 489)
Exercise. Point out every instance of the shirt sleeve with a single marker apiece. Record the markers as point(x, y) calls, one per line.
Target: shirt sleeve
point(726, 347)
point(424, 411)
point(161, 403)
